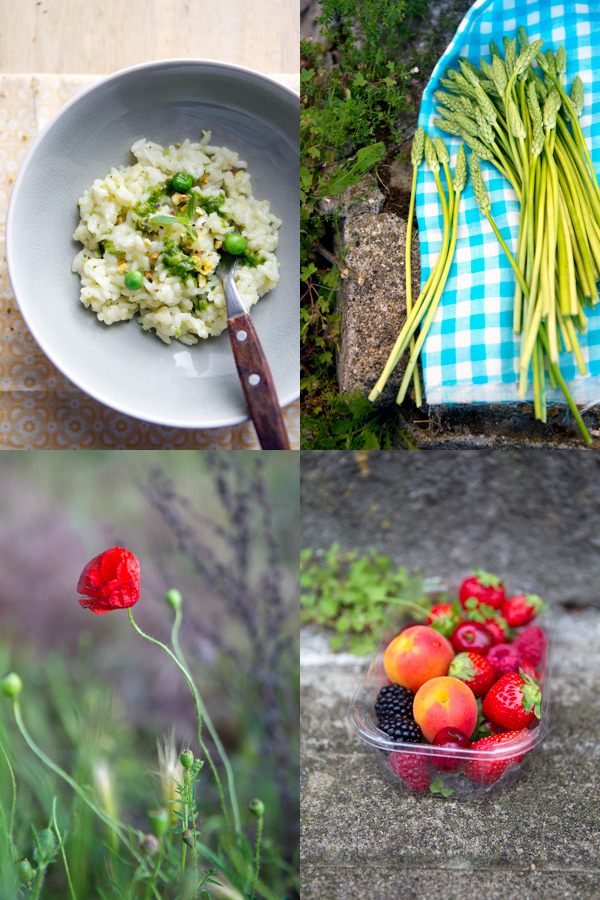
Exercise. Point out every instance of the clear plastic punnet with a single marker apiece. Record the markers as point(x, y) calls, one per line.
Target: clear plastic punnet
point(448, 771)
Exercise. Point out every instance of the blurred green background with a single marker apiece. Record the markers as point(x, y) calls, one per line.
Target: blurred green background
point(222, 527)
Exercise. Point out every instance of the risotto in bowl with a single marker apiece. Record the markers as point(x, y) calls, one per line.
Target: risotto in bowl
point(117, 221)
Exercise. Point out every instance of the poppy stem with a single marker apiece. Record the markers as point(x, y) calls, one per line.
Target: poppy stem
point(108, 820)
point(199, 708)
point(203, 715)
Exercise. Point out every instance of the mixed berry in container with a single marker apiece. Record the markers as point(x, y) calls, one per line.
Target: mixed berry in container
point(457, 700)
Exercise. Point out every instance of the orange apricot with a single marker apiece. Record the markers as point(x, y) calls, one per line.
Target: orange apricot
point(417, 654)
point(443, 702)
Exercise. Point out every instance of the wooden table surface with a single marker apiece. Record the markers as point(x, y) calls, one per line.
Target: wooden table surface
point(101, 36)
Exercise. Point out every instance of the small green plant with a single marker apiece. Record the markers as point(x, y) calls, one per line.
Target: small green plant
point(348, 111)
point(354, 594)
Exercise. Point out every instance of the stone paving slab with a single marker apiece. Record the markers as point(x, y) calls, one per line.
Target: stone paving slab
point(536, 838)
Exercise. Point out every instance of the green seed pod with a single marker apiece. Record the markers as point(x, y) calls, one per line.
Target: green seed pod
point(494, 51)
point(551, 107)
point(510, 55)
point(45, 847)
point(577, 95)
point(486, 132)
point(467, 124)
point(551, 61)
point(561, 60)
point(486, 68)
point(430, 155)
point(515, 122)
point(187, 837)
point(526, 57)
point(186, 758)
point(441, 150)
point(11, 685)
point(523, 39)
point(460, 170)
point(448, 127)
point(499, 73)
point(150, 844)
point(256, 807)
point(478, 147)
point(159, 820)
point(25, 871)
point(470, 72)
point(486, 106)
point(537, 124)
point(416, 151)
point(479, 188)
point(173, 598)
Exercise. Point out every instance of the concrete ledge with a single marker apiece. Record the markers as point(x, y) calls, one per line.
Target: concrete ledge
point(536, 839)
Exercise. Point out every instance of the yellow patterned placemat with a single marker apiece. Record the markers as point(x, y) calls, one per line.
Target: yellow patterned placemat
point(39, 408)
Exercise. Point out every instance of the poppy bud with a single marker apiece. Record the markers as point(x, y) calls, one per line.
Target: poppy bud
point(150, 844)
point(186, 758)
point(173, 598)
point(11, 685)
point(256, 807)
point(25, 871)
point(188, 837)
point(159, 821)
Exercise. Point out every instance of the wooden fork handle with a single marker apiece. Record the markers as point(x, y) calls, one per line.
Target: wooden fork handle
point(257, 383)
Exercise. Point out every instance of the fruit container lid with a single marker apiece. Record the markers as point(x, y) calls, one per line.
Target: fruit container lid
point(362, 719)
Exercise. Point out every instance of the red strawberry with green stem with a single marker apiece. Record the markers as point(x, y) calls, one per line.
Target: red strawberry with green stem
point(513, 702)
point(488, 770)
point(444, 617)
point(484, 588)
point(522, 609)
point(474, 670)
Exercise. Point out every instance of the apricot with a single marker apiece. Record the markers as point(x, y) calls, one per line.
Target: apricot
point(417, 654)
point(443, 702)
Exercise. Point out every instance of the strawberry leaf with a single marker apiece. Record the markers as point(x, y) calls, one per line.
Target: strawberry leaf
point(486, 579)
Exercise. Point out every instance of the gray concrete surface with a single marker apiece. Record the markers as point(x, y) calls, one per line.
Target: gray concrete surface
point(531, 513)
point(537, 839)
point(372, 297)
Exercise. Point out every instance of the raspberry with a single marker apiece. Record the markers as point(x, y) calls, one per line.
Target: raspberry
point(504, 658)
point(530, 644)
point(412, 769)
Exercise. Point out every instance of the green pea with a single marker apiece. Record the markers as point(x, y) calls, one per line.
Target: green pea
point(181, 181)
point(134, 280)
point(235, 243)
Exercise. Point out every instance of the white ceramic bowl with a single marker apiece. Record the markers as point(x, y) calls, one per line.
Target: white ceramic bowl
point(121, 365)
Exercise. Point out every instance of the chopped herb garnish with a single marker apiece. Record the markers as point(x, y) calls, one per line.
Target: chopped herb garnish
point(178, 262)
point(251, 259)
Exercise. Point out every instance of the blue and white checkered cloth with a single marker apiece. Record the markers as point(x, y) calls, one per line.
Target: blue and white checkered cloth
point(471, 354)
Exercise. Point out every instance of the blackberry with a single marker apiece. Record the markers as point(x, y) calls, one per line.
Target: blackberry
point(402, 729)
point(394, 700)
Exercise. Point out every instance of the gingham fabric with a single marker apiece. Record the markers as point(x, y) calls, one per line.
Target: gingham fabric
point(471, 354)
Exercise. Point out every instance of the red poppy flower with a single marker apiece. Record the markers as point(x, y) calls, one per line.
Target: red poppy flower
point(110, 581)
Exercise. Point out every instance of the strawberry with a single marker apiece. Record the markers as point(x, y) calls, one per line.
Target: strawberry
point(530, 643)
point(529, 669)
point(520, 610)
point(444, 618)
point(487, 771)
point(411, 768)
point(474, 670)
point(504, 658)
point(513, 702)
point(485, 588)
